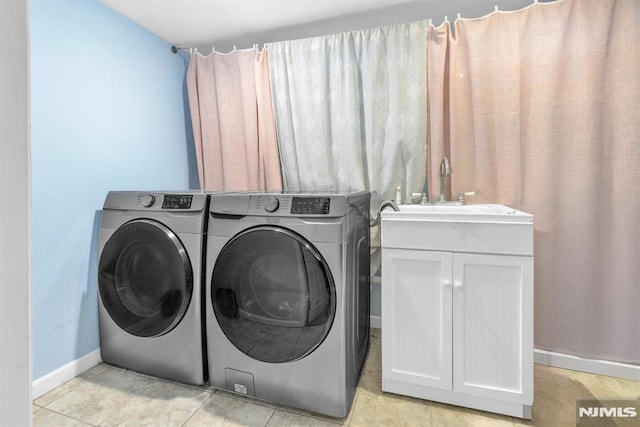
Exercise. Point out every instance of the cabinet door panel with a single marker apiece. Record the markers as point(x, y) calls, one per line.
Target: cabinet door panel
point(416, 317)
point(489, 319)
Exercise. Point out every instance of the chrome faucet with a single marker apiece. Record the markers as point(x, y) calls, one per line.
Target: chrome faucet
point(445, 171)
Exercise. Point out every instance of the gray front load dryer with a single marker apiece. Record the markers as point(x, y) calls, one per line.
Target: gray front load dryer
point(287, 297)
point(149, 283)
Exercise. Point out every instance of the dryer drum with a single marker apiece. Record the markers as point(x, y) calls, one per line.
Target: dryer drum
point(273, 294)
point(145, 278)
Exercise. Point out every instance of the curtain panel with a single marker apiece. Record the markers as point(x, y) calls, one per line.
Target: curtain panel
point(544, 109)
point(233, 123)
point(350, 110)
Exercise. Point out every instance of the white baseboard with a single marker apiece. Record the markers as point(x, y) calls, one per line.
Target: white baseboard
point(375, 322)
point(71, 370)
point(63, 374)
point(593, 366)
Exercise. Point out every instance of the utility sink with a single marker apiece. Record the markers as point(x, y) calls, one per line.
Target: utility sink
point(476, 228)
point(459, 213)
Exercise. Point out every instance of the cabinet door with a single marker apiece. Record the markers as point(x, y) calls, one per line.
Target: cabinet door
point(493, 326)
point(416, 317)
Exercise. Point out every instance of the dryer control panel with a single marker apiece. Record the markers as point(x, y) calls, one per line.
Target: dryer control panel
point(155, 201)
point(177, 201)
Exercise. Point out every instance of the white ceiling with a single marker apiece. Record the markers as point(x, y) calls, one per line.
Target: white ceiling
point(241, 23)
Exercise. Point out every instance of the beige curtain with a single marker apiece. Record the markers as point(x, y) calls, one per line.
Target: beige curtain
point(545, 117)
point(233, 122)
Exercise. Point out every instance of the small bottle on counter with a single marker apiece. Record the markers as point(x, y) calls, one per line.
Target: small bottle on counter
point(398, 195)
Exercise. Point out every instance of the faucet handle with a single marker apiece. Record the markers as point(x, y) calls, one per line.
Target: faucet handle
point(463, 194)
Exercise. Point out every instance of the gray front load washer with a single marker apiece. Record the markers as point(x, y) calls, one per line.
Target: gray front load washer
point(287, 297)
point(150, 283)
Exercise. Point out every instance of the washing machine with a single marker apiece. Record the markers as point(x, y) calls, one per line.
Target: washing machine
point(150, 272)
point(287, 297)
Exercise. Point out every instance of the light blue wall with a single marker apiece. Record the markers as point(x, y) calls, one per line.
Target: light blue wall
point(107, 112)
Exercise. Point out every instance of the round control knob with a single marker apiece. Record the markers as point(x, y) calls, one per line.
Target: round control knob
point(147, 201)
point(271, 204)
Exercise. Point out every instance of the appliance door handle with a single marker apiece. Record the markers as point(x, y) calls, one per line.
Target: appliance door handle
point(217, 215)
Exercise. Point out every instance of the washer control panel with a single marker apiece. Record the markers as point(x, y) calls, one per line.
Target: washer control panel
point(310, 205)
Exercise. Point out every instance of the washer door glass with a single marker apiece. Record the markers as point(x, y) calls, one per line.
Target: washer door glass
point(145, 278)
point(273, 294)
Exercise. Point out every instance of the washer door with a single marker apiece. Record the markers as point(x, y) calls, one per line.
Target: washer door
point(145, 278)
point(273, 294)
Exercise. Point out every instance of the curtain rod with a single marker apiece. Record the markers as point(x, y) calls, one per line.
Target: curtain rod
point(175, 49)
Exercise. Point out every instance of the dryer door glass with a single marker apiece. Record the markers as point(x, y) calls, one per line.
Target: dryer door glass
point(273, 294)
point(145, 278)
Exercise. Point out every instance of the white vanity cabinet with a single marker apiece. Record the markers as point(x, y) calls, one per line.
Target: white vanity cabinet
point(457, 308)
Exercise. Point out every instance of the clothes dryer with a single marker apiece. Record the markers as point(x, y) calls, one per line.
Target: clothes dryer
point(287, 297)
point(150, 283)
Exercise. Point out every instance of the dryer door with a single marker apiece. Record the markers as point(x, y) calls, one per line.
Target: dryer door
point(273, 294)
point(145, 278)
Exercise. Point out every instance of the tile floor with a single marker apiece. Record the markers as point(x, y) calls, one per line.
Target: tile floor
point(107, 396)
